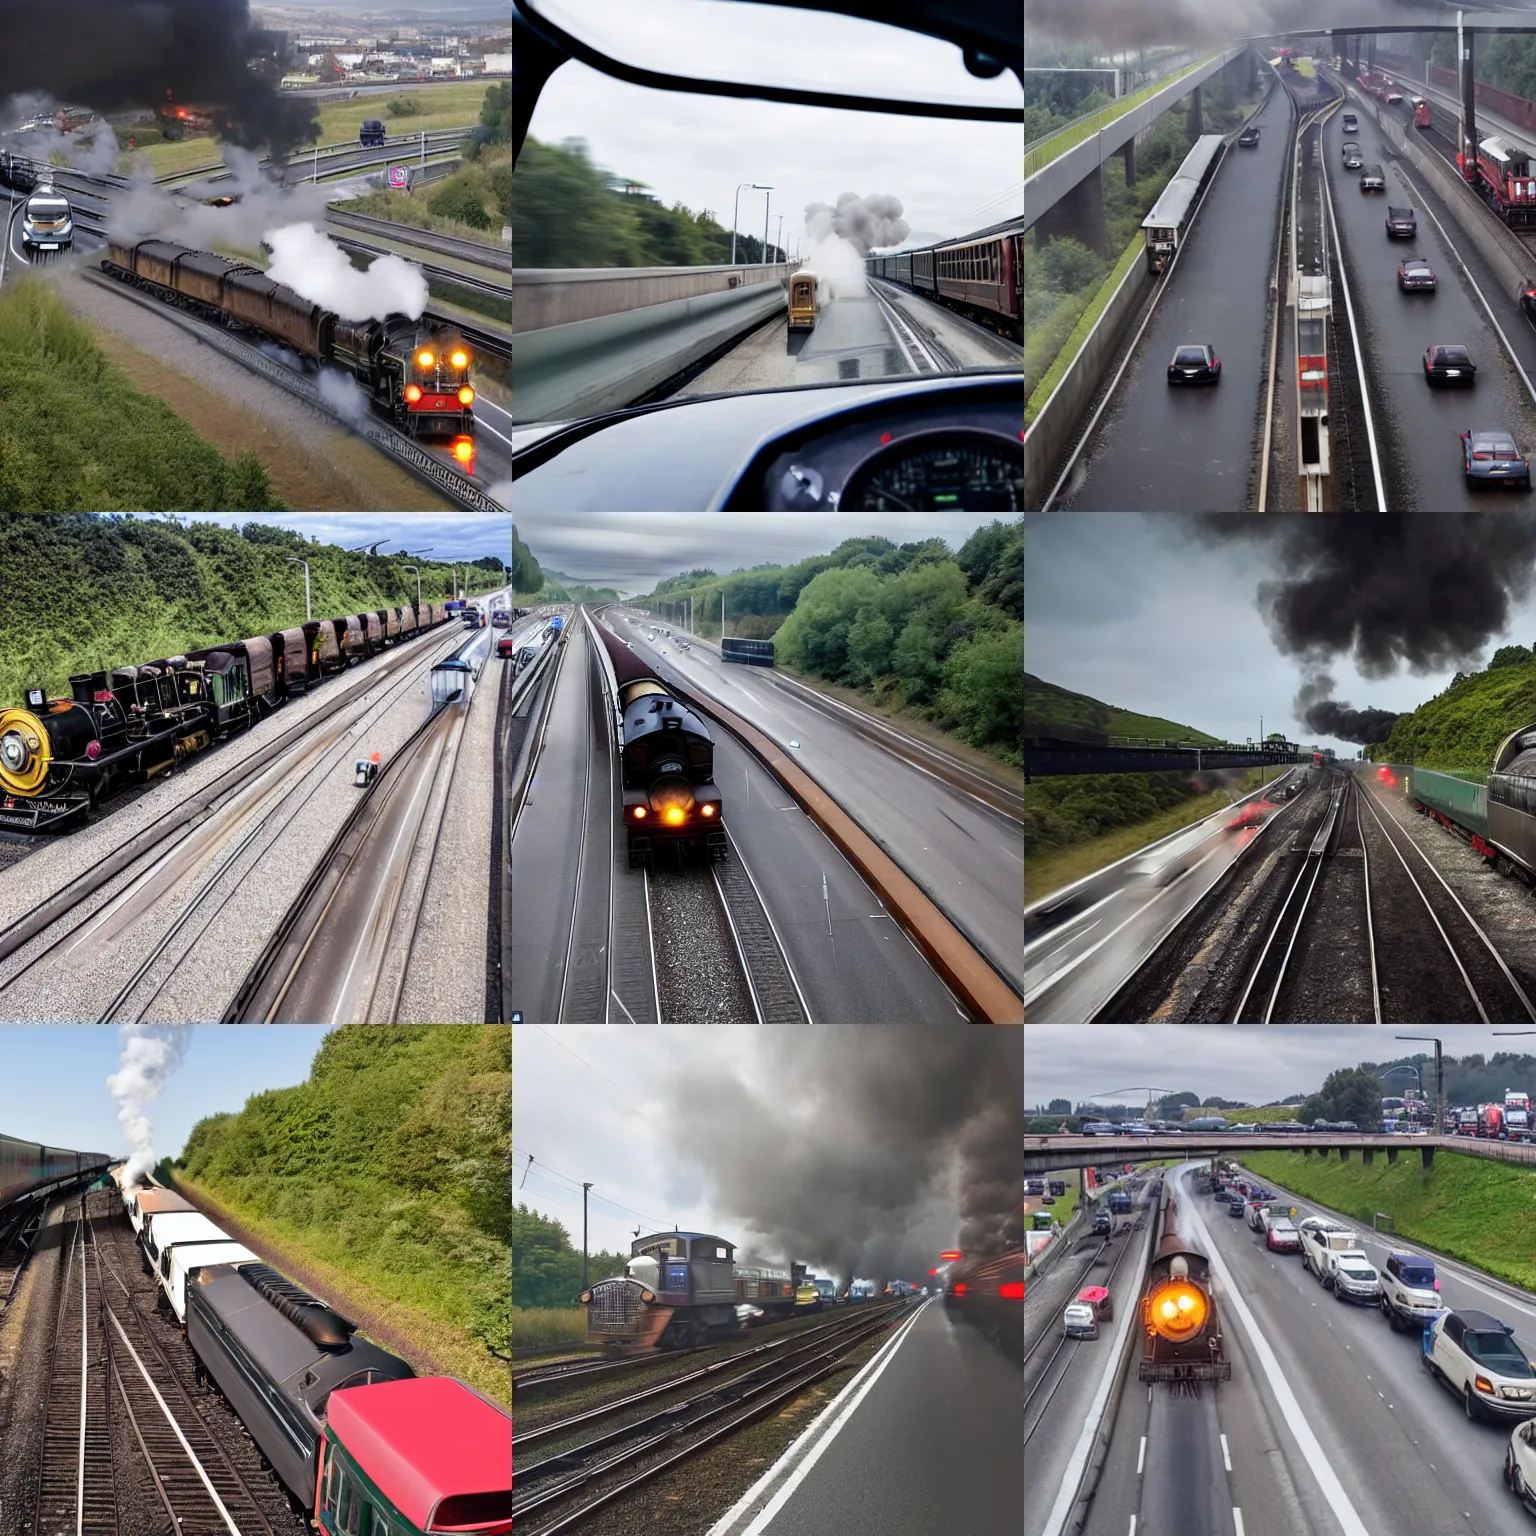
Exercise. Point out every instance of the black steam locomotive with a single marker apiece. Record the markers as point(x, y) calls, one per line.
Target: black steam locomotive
point(414, 372)
point(59, 758)
point(668, 759)
point(1181, 1343)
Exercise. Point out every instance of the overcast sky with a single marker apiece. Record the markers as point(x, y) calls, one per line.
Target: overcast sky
point(952, 177)
point(864, 1148)
point(1134, 610)
point(632, 551)
point(1248, 1062)
point(448, 535)
point(56, 1080)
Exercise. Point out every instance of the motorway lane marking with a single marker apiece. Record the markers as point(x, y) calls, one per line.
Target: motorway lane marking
point(1226, 1454)
point(855, 1392)
point(1237, 1516)
point(1141, 1461)
point(1322, 1469)
point(1056, 930)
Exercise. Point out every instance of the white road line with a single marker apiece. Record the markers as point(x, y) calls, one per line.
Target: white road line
point(1296, 1421)
point(1141, 1461)
point(1237, 1520)
point(213, 1492)
point(1226, 1454)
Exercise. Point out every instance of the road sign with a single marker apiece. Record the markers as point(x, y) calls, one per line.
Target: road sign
point(399, 176)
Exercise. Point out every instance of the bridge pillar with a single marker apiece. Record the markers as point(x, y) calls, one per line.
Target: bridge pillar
point(1080, 215)
point(1128, 154)
point(1391, 1156)
point(1367, 1155)
point(1427, 1156)
point(1253, 67)
point(1468, 98)
point(1231, 82)
point(1343, 1154)
point(1196, 113)
point(1306, 1151)
point(1370, 53)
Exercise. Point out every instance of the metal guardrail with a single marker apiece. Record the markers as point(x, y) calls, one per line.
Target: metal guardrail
point(463, 491)
point(500, 287)
point(410, 234)
point(385, 151)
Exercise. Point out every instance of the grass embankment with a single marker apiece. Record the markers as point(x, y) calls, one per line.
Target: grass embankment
point(447, 207)
point(1460, 729)
point(539, 1327)
point(385, 1177)
point(1041, 154)
point(1464, 1207)
point(76, 434)
point(445, 104)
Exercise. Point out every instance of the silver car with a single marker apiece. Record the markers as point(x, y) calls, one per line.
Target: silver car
point(1355, 1278)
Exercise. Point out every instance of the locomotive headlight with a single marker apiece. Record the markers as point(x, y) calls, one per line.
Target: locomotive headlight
point(413, 393)
point(13, 751)
point(464, 449)
point(1178, 1310)
point(460, 359)
point(466, 395)
point(424, 359)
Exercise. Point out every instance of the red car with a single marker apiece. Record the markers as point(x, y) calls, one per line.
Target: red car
point(504, 647)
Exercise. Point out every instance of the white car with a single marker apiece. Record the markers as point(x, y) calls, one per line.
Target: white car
point(1410, 1290)
point(1520, 1463)
point(1078, 1321)
point(1355, 1277)
point(1321, 1238)
point(1478, 1358)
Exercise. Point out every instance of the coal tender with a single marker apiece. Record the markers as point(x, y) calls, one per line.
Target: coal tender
point(671, 804)
point(277, 1353)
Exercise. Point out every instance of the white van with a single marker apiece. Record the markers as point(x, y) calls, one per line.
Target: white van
point(163, 1228)
point(181, 1261)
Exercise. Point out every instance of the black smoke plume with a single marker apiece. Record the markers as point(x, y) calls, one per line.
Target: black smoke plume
point(115, 54)
point(864, 1151)
point(1118, 24)
point(1425, 591)
point(1320, 712)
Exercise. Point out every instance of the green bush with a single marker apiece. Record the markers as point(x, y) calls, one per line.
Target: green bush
point(404, 106)
point(462, 197)
point(1068, 266)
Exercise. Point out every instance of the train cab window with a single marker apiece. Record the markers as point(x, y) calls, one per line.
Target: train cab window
point(351, 1512)
point(332, 1483)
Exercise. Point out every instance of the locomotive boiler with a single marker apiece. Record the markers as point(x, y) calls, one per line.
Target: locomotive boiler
point(668, 762)
point(414, 372)
point(60, 758)
point(681, 1288)
point(1181, 1326)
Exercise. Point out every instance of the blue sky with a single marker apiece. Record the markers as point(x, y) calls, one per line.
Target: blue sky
point(448, 535)
point(55, 1080)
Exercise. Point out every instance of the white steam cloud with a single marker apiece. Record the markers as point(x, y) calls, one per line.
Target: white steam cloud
point(150, 1053)
point(312, 264)
point(842, 236)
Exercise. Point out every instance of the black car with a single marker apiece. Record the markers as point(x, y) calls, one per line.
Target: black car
point(1490, 455)
point(1372, 179)
point(1448, 363)
point(1194, 363)
point(1402, 223)
point(1248, 137)
point(1415, 275)
point(372, 132)
point(1235, 1205)
point(1103, 1222)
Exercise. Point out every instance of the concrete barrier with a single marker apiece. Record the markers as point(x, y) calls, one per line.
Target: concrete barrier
point(557, 296)
point(1048, 436)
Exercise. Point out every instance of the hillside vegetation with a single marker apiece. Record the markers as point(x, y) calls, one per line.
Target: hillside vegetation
point(388, 1170)
point(918, 629)
point(74, 432)
point(1467, 1208)
point(88, 592)
point(1461, 728)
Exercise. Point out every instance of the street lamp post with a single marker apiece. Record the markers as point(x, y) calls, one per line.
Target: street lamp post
point(736, 211)
point(1439, 1080)
point(778, 244)
point(294, 560)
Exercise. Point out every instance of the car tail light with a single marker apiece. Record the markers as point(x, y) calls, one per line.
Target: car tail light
point(1437, 1283)
point(959, 1289)
point(1011, 1290)
point(1215, 361)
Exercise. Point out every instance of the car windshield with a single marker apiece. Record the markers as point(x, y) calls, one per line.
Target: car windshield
point(695, 209)
point(1501, 1353)
point(1421, 1275)
point(1355, 1268)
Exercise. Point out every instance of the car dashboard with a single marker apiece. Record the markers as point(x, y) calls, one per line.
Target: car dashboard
point(940, 444)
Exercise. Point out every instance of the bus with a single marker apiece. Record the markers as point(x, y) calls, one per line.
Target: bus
point(753, 653)
point(1176, 203)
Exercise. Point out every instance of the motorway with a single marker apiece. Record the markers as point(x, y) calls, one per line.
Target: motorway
point(1330, 1425)
point(924, 1440)
point(605, 940)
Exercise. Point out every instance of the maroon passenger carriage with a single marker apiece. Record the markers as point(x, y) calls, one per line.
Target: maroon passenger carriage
point(981, 275)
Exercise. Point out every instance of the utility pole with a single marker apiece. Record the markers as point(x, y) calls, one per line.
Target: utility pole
point(778, 243)
point(294, 560)
point(736, 212)
point(418, 586)
point(767, 203)
point(1439, 1080)
point(584, 1189)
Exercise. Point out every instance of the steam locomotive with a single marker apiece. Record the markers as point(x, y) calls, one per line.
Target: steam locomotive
point(668, 758)
point(1181, 1341)
point(60, 758)
point(679, 1288)
point(414, 372)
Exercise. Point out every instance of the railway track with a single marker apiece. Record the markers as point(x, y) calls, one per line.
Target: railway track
point(501, 287)
point(564, 1488)
point(426, 467)
point(150, 861)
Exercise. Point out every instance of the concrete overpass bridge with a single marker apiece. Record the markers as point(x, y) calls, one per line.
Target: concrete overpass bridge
point(1050, 1154)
